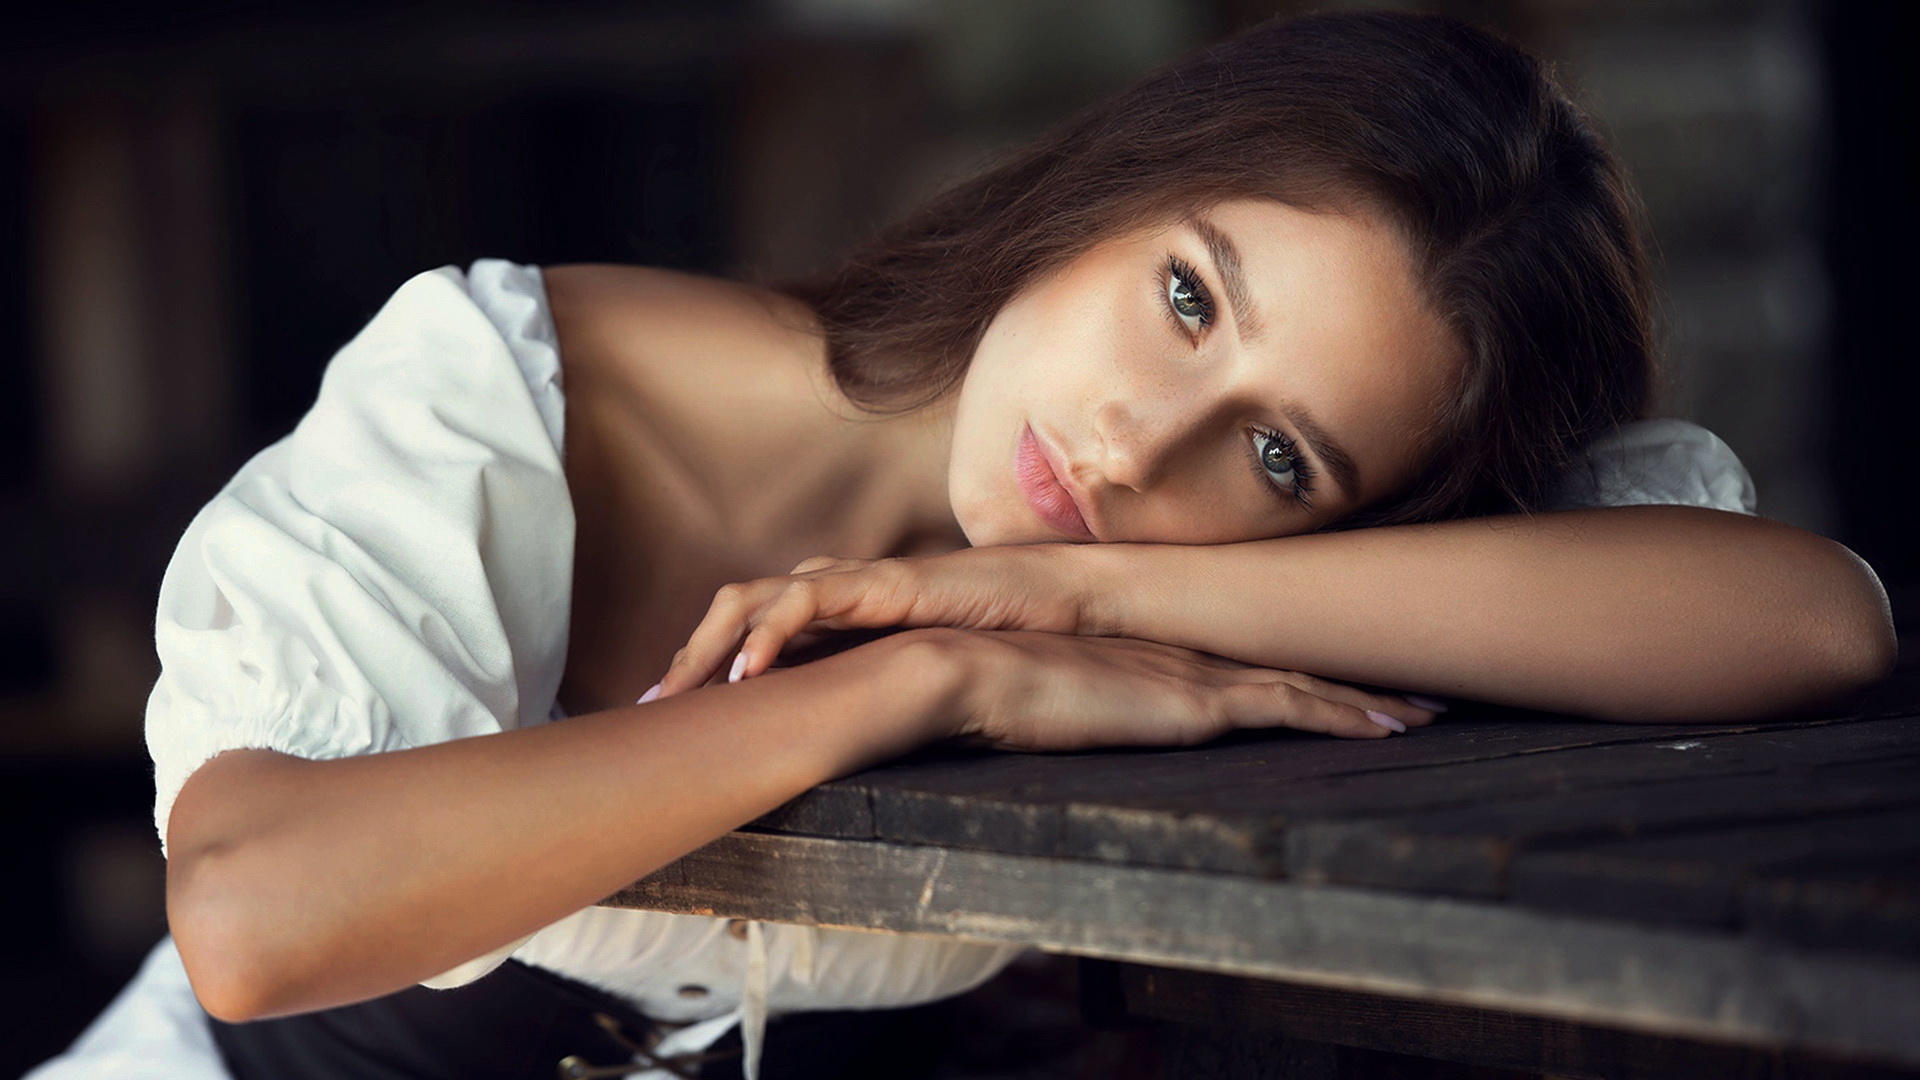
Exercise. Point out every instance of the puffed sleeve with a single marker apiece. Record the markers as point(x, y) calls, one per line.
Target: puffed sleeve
point(1663, 462)
point(395, 572)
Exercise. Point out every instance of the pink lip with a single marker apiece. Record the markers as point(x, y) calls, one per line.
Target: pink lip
point(1040, 483)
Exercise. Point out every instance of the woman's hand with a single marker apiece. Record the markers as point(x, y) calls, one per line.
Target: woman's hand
point(1006, 587)
point(1025, 690)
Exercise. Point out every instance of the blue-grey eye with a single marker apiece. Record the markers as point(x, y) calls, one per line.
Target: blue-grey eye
point(1276, 456)
point(1187, 297)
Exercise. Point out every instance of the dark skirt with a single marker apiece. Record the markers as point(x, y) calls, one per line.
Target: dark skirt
point(524, 1023)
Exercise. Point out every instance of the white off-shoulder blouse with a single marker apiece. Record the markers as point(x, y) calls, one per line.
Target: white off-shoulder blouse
point(397, 572)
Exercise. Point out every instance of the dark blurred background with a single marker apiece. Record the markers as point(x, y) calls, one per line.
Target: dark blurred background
point(199, 202)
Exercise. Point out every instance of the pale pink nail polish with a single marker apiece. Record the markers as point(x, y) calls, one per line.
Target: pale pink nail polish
point(1386, 721)
point(651, 694)
point(739, 665)
point(1422, 701)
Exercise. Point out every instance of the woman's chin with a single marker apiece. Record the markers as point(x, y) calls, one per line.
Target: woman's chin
point(992, 531)
point(985, 535)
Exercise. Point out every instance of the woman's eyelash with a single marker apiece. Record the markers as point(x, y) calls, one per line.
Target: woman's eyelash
point(1302, 472)
point(1178, 271)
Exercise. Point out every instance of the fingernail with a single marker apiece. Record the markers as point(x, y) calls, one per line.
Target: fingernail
point(739, 665)
point(1386, 721)
point(1422, 701)
point(651, 694)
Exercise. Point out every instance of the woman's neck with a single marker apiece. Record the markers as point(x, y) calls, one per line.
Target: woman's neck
point(801, 471)
point(883, 492)
point(927, 525)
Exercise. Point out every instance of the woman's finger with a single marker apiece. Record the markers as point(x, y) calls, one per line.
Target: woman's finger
point(825, 562)
point(718, 636)
point(803, 603)
point(853, 594)
point(749, 624)
point(1281, 704)
point(1392, 705)
point(1227, 671)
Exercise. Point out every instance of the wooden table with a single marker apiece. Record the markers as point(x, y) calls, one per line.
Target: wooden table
point(1511, 890)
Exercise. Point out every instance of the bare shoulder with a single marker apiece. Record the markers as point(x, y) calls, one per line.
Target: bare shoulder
point(636, 315)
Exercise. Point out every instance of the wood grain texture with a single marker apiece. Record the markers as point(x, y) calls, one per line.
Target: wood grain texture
point(1700, 877)
point(1227, 807)
point(1468, 851)
point(1741, 990)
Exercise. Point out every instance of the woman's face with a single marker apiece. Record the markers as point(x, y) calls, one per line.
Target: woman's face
point(1254, 370)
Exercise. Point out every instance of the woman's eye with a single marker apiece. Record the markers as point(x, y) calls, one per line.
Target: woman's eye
point(1276, 457)
point(1188, 299)
point(1278, 467)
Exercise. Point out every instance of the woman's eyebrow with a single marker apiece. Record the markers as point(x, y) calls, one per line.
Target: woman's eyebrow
point(1338, 462)
point(1226, 258)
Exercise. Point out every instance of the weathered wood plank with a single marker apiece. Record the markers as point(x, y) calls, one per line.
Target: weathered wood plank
point(1026, 780)
point(1262, 817)
point(1742, 990)
point(1699, 878)
point(840, 810)
point(1447, 1032)
point(1467, 851)
point(1015, 798)
point(1227, 808)
point(1551, 772)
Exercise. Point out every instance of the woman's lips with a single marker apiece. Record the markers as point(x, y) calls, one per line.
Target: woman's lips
point(1049, 500)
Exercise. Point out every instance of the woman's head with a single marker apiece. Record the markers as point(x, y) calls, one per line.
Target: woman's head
point(1441, 252)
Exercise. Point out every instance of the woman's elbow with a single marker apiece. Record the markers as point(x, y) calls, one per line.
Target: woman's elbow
point(1850, 642)
point(227, 985)
point(1805, 631)
point(1863, 653)
point(229, 922)
point(216, 932)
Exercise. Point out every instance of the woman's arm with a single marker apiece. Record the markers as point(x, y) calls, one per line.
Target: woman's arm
point(296, 884)
point(1642, 613)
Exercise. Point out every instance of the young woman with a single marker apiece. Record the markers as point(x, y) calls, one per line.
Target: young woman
point(1317, 359)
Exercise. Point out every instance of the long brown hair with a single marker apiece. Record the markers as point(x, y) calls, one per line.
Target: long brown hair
point(1520, 224)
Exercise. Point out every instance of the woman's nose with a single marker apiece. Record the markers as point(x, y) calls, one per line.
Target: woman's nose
point(1138, 437)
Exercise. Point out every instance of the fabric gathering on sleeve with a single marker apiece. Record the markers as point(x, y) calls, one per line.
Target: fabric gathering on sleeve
point(1665, 462)
point(397, 570)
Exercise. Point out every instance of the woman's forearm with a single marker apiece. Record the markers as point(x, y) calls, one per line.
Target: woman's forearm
point(1634, 613)
point(295, 884)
